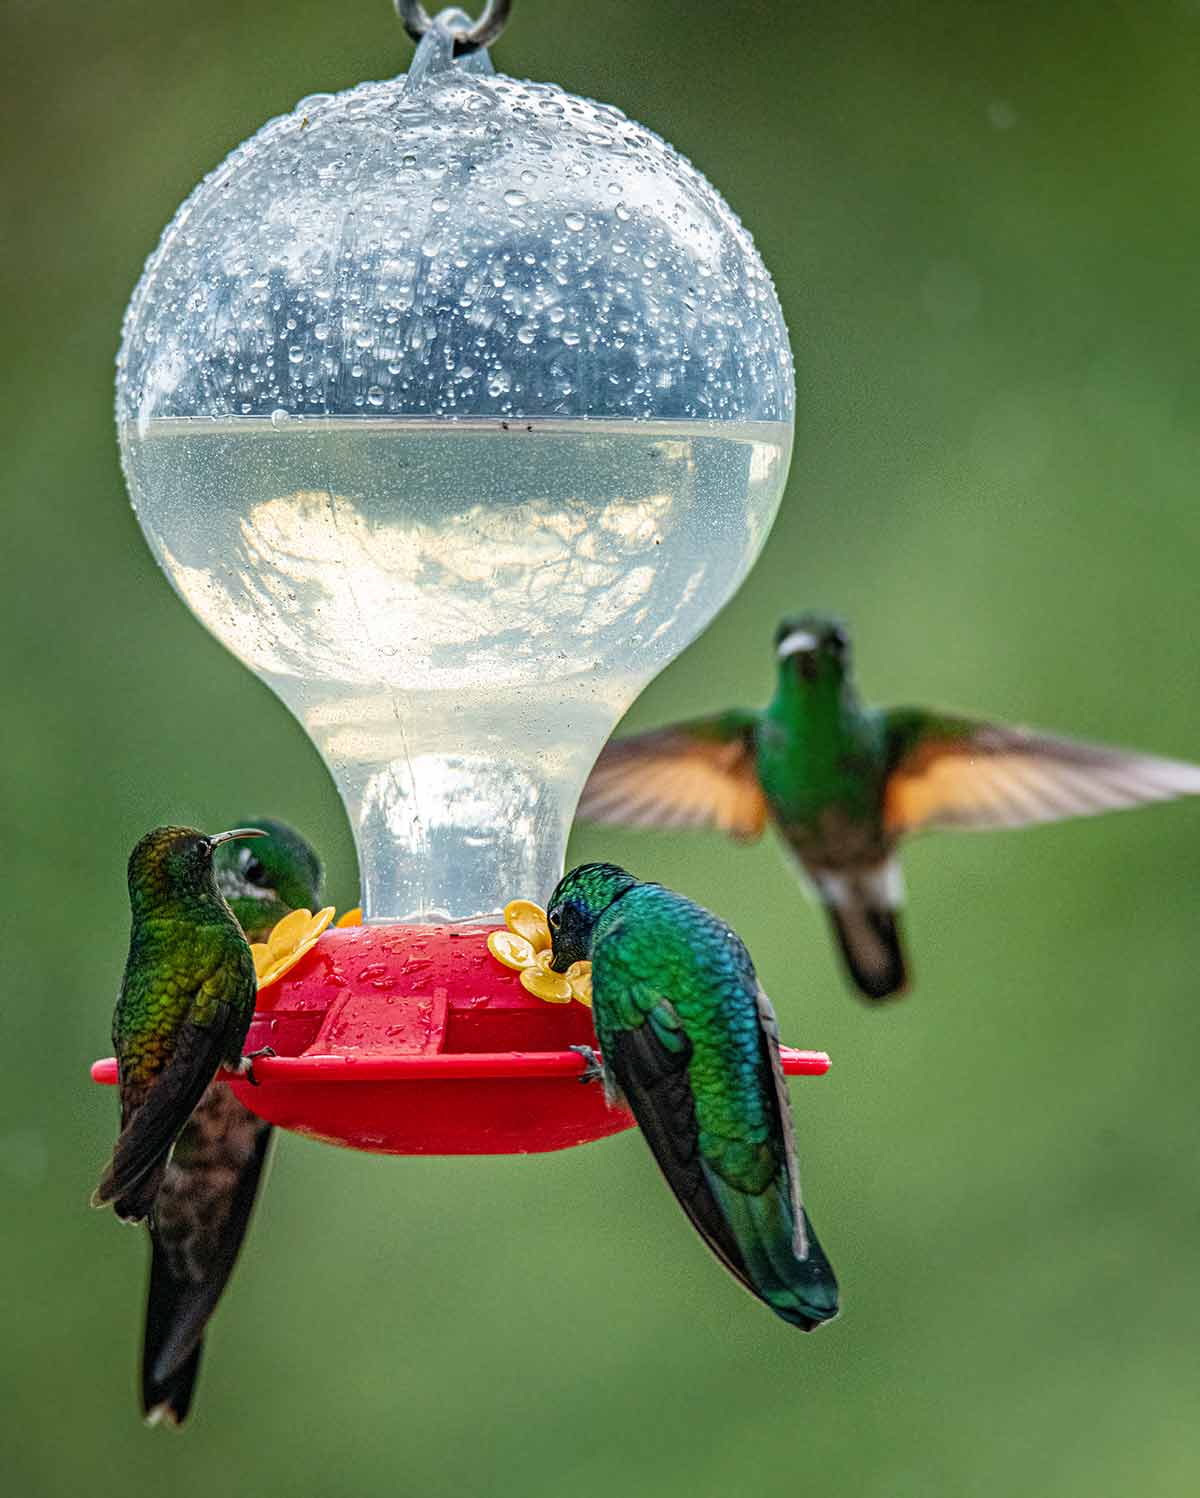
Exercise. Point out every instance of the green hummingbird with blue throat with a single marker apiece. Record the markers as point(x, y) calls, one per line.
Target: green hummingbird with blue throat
point(212, 1180)
point(690, 1045)
point(845, 783)
point(186, 1002)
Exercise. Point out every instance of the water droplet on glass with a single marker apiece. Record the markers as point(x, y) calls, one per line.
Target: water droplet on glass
point(375, 395)
point(295, 354)
point(574, 221)
point(279, 417)
point(515, 199)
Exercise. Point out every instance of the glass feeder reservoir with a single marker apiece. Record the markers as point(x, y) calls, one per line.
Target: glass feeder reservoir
point(455, 407)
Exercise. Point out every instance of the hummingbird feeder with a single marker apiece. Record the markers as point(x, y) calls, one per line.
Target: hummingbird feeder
point(455, 407)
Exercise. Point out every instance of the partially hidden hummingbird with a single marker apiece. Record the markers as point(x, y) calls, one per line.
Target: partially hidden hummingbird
point(690, 1044)
point(844, 783)
point(186, 1002)
point(207, 1195)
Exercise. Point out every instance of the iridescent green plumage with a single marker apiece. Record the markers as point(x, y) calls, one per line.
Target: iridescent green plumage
point(690, 1043)
point(204, 1204)
point(186, 1001)
point(845, 783)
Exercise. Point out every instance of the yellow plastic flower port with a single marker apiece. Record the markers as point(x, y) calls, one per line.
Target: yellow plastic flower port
point(579, 976)
point(295, 935)
point(553, 987)
point(528, 920)
point(525, 946)
point(352, 917)
point(512, 950)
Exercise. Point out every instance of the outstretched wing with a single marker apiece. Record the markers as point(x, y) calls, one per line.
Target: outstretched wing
point(958, 772)
point(697, 774)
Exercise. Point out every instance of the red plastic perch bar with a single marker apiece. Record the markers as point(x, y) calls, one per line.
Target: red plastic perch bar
point(464, 1064)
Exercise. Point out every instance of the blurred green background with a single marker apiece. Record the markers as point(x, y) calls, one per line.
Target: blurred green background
point(983, 221)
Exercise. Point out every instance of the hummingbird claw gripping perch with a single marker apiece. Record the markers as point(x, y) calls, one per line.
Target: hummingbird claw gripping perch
point(593, 1071)
point(245, 1067)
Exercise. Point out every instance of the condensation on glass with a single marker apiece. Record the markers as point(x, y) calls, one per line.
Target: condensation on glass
point(455, 407)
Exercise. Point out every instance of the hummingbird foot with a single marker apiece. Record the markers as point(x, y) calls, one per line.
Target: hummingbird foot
point(594, 1070)
point(245, 1067)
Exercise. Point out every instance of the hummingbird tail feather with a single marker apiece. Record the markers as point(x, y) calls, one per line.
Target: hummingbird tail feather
point(804, 1292)
point(167, 1403)
point(198, 1230)
point(862, 910)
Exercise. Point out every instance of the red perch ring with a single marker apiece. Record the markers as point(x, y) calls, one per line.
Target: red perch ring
point(415, 1040)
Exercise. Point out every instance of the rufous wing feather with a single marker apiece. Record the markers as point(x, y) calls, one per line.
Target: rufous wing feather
point(699, 774)
point(956, 772)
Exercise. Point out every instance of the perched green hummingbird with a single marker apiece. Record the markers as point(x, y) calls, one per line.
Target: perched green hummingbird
point(186, 1002)
point(208, 1192)
point(844, 783)
point(690, 1045)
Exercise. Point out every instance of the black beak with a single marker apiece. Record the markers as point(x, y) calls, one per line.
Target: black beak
point(559, 964)
point(227, 837)
point(806, 664)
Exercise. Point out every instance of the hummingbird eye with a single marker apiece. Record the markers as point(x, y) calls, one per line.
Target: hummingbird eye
point(838, 640)
point(554, 919)
point(253, 871)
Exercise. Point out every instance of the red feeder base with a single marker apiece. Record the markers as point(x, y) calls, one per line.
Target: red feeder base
point(415, 1040)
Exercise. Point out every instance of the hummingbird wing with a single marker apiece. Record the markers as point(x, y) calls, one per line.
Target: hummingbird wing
point(697, 774)
point(200, 1219)
point(153, 1113)
point(947, 771)
point(738, 1187)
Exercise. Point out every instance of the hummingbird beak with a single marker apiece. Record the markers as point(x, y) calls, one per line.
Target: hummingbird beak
point(559, 965)
point(800, 646)
point(227, 837)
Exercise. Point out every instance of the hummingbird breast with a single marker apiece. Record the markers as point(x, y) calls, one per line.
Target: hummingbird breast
point(836, 837)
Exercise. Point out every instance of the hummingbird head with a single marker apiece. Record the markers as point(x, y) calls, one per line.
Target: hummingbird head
point(579, 900)
point(812, 648)
point(173, 864)
point(263, 882)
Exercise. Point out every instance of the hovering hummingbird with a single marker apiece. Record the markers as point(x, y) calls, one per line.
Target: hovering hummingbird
point(208, 1192)
point(844, 783)
point(690, 1044)
point(185, 1005)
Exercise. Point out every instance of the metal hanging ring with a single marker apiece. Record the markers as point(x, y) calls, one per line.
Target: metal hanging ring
point(484, 32)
